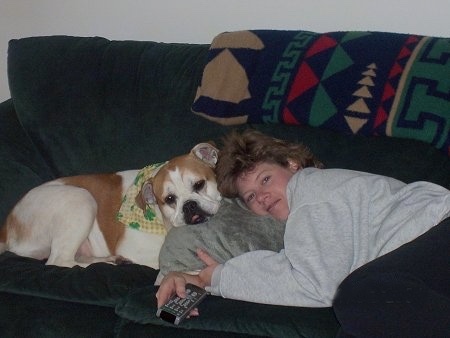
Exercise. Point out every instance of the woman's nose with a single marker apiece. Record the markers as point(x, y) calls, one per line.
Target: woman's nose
point(261, 195)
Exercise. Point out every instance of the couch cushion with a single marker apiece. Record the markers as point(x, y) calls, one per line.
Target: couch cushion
point(99, 284)
point(219, 314)
point(28, 316)
point(130, 329)
point(369, 83)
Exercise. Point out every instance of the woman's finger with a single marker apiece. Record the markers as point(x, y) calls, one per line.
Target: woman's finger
point(171, 284)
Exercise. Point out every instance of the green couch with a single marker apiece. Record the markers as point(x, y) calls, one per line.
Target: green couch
point(90, 105)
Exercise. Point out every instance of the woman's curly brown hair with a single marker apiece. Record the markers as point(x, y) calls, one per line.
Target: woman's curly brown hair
point(241, 152)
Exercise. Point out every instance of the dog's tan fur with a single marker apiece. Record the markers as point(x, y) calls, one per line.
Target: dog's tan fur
point(107, 192)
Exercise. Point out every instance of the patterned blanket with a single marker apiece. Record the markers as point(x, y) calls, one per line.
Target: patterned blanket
point(369, 83)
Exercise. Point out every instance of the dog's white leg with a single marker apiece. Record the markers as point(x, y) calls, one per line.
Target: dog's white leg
point(71, 225)
point(74, 247)
point(75, 237)
point(70, 229)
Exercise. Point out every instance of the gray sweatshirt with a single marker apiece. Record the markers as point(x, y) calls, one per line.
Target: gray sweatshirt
point(339, 220)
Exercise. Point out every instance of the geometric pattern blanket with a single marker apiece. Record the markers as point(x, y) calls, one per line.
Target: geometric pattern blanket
point(370, 83)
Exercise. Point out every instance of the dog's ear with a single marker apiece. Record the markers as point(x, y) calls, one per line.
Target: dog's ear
point(146, 196)
point(207, 153)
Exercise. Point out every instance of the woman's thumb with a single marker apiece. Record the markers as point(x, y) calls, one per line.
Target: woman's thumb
point(206, 258)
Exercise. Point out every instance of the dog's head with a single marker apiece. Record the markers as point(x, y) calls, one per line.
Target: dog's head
point(185, 188)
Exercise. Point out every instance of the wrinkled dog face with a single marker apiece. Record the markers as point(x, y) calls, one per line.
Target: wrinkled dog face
point(189, 196)
point(185, 189)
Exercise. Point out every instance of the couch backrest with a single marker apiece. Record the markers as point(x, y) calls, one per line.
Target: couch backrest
point(95, 105)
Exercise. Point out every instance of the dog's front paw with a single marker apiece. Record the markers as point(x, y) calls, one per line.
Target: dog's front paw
point(122, 261)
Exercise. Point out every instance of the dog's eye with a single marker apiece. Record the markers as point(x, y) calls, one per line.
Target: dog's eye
point(170, 199)
point(199, 185)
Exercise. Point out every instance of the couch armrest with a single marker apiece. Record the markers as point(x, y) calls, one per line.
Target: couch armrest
point(21, 167)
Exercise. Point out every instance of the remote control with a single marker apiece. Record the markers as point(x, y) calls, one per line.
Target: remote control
point(177, 308)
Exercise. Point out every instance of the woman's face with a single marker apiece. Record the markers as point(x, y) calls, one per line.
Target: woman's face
point(263, 189)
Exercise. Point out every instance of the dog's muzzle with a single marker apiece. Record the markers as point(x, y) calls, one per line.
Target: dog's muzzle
point(193, 214)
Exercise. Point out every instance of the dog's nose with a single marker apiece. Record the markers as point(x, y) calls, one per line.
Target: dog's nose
point(193, 214)
point(189, 206)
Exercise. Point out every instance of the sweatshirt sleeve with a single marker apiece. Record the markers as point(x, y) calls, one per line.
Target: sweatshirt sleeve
point(303, 274)
point(263, 277)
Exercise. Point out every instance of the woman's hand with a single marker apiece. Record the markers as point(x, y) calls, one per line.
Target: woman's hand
point(175, 282)
point(206, 274)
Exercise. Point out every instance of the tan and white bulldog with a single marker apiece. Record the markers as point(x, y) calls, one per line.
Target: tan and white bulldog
point(75, 220)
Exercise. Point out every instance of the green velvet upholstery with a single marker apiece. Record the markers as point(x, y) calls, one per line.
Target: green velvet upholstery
point(31, 277)
point(21, 166)
point(218, 314)
point(94, 105)
point(88, 104)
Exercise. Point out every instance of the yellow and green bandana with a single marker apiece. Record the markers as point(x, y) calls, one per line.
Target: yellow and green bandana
point(130, 214)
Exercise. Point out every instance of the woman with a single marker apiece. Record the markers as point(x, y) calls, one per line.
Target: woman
point(337, 221)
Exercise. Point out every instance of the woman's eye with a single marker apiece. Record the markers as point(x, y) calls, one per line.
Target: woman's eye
point(250, 197)
point(265, 179)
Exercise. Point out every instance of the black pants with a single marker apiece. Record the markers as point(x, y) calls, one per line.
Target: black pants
point(405, 293)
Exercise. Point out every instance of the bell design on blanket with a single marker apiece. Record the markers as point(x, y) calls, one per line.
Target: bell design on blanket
point(232, 85)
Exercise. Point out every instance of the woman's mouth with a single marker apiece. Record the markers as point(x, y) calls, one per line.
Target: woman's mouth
point(271, 206)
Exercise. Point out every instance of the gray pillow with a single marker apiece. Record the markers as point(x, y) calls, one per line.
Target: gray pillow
point(231, 232)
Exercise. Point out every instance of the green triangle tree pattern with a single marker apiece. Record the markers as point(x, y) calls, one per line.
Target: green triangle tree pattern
point(338, 62)
point(322, 108)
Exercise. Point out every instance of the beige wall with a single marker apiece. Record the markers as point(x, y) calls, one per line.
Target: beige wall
point(198, 21)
